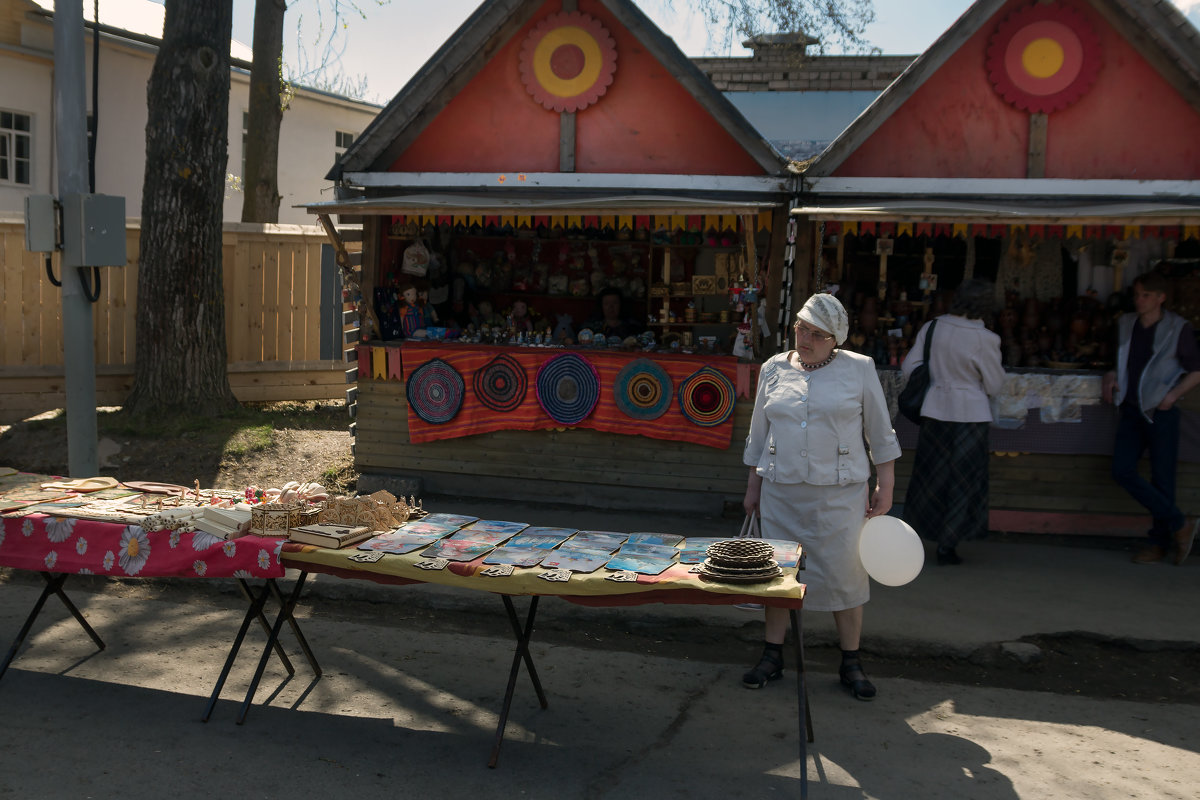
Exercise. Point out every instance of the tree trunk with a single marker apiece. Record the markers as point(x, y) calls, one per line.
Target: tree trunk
point(181, 358)
point(261, 181)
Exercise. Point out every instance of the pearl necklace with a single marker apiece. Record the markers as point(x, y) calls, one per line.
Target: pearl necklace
point(819, 364)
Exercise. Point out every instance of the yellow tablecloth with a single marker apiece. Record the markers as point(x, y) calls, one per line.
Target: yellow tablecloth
point(676, 585)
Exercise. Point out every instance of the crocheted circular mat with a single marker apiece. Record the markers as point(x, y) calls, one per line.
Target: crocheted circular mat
point(435, 392)
point(501, 383)
point(568, 388)
point(706, 397)
point(642, 389)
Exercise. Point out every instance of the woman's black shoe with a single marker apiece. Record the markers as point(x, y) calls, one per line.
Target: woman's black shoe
point(769, 668)
point(856, 681)
point(948, 556)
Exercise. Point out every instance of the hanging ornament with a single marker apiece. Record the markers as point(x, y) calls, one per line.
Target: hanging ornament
point(1043, 57)
point(567, 61)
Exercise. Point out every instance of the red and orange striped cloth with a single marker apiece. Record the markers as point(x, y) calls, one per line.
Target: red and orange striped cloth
point(474, 417)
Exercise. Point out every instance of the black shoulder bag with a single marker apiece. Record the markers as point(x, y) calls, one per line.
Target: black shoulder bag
point(913, 395)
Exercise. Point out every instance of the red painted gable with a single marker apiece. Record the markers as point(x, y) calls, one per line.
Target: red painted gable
point(1132, 124)
point(645, 123)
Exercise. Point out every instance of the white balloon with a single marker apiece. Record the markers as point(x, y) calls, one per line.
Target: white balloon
point(891, 551)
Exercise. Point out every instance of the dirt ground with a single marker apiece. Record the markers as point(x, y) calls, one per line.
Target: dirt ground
point(317, 448)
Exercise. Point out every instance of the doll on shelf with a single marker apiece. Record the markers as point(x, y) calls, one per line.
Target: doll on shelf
point(486, 315)
point(429, 315)
point(518, 317)
point(411, 318)
point(387, 311)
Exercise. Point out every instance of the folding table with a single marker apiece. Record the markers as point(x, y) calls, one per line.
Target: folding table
point(677, 585)
point(58, 547)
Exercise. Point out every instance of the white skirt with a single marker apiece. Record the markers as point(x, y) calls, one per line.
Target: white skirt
point(827, 521)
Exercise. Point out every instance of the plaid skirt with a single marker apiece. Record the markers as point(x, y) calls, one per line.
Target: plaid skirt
point(947, 498)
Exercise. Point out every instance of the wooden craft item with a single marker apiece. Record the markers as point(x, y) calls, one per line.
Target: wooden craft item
point(310, 514)
point(622, 576)
point(274, 519)
point(556, 575)
point(721, 271)
point(433, 563)
point(704, 284)
point(497, 571)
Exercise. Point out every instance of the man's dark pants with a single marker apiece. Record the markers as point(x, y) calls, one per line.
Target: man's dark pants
point(1136, 435)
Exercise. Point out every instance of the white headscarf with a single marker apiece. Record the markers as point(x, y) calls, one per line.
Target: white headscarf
point(826, 312)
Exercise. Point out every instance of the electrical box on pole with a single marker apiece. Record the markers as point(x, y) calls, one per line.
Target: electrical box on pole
point(41, 223)
point(93, 230)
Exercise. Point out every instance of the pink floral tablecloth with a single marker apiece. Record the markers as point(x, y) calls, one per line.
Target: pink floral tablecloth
point(44, 543)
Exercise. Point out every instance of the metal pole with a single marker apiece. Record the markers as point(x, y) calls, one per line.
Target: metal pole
point(70, 116)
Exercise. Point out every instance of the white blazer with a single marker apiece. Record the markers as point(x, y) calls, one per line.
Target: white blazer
point(964, 363)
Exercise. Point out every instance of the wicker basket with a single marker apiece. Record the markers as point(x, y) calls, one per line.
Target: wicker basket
point(741, 553)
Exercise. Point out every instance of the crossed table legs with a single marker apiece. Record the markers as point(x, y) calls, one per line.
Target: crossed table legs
point(521, 655)
point(256, 601)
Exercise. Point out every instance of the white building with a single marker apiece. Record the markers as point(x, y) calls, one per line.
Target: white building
point(316, 127)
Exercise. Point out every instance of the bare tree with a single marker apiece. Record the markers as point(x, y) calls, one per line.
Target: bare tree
point(839, 23)
point(180, 328)
point(261, 181)
point(269, 92)
point(323, 69)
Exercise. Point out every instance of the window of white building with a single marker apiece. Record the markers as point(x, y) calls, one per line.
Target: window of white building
point(341, 142)
point(16, 147)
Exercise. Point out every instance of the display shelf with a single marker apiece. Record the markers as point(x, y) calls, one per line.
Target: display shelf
point(688, 324)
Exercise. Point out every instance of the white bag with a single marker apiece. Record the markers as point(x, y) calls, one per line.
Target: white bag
point(751, 528)
point(416, 259)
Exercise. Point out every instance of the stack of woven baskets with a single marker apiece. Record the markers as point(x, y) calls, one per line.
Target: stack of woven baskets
point(740, 561)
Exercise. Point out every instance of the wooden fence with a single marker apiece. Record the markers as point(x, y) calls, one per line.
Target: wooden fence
point(273, 320)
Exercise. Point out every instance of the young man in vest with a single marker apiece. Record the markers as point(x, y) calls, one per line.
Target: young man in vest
point(1158, 362)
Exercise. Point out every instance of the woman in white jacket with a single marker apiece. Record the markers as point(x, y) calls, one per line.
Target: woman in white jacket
point(947, 498)
point(820, 421)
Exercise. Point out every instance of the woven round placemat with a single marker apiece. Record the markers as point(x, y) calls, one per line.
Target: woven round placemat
point(741, 553)
point(706, 397)
point(642, 389)
point(713, 572)
point(568, 388)
point(435, 392)
point(501, 384)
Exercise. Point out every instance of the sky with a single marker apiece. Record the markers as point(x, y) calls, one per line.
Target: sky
point(396, 38)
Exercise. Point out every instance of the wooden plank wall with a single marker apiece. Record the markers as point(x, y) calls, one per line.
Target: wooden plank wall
point(1030, 492)
point(272, 320)
point(575, 466)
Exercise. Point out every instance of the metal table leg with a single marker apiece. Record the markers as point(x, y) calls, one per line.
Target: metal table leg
point(285, 613)
point(257, 600)
point(521, 654)
point(54, 584)
point(806, 729)
point(295, 626)
point(248, 593)
point(255, 611)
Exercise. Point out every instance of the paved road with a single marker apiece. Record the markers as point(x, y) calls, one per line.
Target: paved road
point(404, 711)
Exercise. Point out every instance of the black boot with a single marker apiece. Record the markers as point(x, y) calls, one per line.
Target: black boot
point(854, 678)
point(948, 556)
point(768, 668)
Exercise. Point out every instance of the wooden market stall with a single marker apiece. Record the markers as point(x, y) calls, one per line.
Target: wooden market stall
point(1050, 147)
point(548, 155)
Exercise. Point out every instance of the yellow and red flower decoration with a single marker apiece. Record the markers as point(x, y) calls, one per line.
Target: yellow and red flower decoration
point(1043, 57)
point(567, 61)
